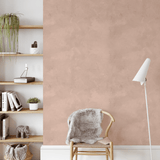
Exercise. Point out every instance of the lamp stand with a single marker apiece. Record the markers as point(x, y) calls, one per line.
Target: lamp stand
point(148, 118)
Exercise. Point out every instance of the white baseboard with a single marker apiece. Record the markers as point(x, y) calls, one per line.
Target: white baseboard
point(121, 152)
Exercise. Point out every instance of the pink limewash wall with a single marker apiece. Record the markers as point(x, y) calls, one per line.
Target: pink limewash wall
point(92, 51)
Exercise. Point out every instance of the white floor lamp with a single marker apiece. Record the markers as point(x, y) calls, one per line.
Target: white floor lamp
point(141, 77)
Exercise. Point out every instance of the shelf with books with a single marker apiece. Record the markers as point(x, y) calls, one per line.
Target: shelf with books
point(12, 138)
point(23, 117)
point(20, 55)
point(12, 83)
point(24, 110)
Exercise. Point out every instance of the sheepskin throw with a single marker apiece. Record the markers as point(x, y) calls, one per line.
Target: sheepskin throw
point(84, 126)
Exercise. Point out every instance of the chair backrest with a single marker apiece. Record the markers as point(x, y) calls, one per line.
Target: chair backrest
point(109, 126)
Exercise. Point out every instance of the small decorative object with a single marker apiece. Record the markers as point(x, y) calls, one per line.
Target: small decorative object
point(34, 48)
point(9, 26)
point(33, 103)
point(24, 79)
point(22, 131)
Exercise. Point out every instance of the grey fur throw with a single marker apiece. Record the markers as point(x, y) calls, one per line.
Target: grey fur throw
point(84, 126)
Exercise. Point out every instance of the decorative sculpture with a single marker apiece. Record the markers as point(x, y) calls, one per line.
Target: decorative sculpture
point(22, 131)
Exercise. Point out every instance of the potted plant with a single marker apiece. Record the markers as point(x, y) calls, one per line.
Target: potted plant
point(33, 103)
point(9, 30)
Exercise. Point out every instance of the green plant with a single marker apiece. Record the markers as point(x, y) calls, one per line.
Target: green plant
point(33, 100)
point(9, 30)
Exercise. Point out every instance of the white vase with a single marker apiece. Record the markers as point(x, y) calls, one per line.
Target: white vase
point(33, 106)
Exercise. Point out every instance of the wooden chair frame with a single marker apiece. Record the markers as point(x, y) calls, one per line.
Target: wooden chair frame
point(108, 153)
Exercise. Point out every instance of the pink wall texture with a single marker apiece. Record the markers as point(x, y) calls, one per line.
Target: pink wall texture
point(92, 51)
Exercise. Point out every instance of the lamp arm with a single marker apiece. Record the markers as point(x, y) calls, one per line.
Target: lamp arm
point(148, 119)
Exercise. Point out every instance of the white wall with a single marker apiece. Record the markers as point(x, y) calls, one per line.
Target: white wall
point(32, 11)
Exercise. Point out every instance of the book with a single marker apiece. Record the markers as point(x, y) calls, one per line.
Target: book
point(24, 79)
point(5, 127)
point(0, 100)
point(16, 101)
point(5, 105)
point(11, 104)
point(1, 118)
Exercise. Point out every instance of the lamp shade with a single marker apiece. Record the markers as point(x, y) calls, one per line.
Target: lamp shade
point(142, 73)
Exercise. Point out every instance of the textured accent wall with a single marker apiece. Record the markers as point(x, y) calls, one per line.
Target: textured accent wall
point(92, 51)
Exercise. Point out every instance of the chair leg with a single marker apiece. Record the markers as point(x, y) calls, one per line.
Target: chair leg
point(106, 153)
point(71, 150)
point(111, 150)
point(76, 154)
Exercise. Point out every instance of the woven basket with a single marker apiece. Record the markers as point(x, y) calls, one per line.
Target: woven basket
point(29, 154)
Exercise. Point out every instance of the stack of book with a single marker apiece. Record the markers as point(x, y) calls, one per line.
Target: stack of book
point(4, 126)
point(10, 101)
